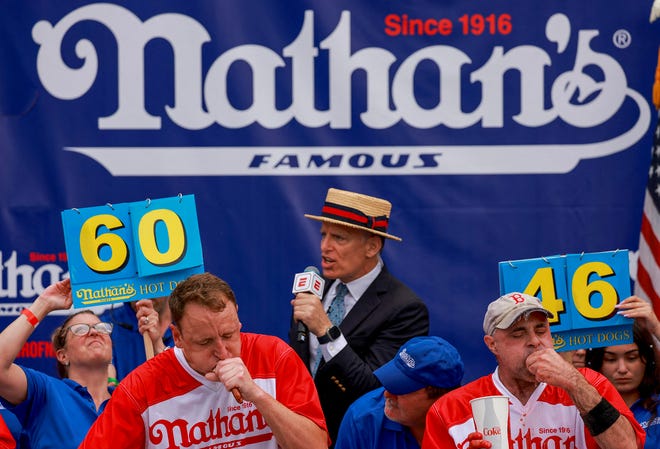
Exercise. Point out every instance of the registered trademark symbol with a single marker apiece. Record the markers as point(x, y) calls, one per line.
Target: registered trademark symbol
point(621, 38)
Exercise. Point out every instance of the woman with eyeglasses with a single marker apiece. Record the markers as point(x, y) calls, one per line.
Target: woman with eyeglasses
point(57, 413)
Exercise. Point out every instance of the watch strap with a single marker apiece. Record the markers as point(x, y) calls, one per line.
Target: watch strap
point(327, 337)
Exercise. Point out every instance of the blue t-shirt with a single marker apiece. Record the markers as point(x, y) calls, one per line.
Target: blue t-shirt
point(128, 345)
point(57, 413)
point(365, 426)
point(651, 427)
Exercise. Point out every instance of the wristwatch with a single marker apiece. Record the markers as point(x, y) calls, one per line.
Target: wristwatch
point(331, 334)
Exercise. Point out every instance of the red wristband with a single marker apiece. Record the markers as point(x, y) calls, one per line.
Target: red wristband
point(31, 317)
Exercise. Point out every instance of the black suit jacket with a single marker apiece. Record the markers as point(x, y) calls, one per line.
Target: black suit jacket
point(386, 316)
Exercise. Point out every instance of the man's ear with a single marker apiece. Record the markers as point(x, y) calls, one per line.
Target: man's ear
point(176, 335)
point(490, 344)
point(374, 245)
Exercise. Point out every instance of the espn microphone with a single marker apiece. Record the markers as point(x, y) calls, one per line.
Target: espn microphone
point(309, 281)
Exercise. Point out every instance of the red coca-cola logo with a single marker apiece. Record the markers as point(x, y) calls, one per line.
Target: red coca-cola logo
point(492, 431)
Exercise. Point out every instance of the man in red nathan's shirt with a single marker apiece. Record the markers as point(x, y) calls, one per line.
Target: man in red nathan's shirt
point(551, 403)
point(218, 388)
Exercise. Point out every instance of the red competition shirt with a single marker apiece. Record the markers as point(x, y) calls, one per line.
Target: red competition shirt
point(165, 404)
point(6, 439)
point(548, 420)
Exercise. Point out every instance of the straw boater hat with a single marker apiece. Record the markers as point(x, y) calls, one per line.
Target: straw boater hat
point(358, 211)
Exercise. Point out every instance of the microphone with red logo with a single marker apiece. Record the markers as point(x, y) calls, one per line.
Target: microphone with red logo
point(309, 281)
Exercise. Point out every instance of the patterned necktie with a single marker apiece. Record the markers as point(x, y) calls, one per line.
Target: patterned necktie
point(336, 315)
point(336, 309)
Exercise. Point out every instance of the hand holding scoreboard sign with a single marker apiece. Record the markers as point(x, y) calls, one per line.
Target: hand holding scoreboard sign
point(581, 290)
point(130, 251)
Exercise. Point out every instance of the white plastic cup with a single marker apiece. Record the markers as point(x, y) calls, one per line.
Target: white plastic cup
point(491, 418)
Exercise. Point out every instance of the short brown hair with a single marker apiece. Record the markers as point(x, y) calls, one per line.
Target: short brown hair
point(204, 289)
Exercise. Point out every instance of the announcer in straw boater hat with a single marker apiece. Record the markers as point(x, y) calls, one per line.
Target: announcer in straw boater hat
point(365, 314)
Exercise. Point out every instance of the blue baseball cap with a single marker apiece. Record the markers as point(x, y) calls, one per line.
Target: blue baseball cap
point(422, 362)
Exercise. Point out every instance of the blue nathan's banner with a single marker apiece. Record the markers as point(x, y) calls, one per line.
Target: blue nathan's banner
point(497, 130)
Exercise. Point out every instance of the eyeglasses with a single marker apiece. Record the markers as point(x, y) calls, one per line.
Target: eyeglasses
point(82, 329)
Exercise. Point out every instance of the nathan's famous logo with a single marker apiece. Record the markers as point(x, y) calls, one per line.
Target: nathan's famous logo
point(589, 93)
point(599, 98)
point(26, 281)
point(236, 429)
point(106, 294)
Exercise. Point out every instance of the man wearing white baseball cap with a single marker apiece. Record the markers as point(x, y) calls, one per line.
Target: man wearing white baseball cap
point(393, 416)
point(552, 404)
